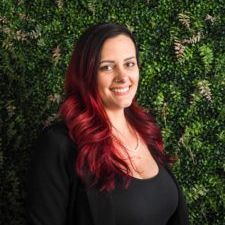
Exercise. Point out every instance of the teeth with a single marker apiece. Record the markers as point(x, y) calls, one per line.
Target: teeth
point(120, 90)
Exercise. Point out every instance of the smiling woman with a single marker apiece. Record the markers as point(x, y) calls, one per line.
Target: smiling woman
point(104, 162)
point(118, 75)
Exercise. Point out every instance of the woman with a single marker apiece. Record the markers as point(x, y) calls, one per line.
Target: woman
point(104, 162)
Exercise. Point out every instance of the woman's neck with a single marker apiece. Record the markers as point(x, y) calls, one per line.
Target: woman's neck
point(117, 119)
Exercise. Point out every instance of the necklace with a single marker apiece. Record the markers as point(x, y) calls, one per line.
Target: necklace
point(123, 145)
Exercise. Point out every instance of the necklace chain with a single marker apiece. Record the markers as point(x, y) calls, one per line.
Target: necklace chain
point(123, 144)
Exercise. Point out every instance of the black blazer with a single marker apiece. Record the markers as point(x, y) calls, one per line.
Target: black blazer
point(55, 194)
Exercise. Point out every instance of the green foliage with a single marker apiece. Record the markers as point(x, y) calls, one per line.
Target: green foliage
point(207, 57)
point(182, 81)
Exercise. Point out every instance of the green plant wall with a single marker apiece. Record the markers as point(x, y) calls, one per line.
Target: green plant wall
point(182, 53)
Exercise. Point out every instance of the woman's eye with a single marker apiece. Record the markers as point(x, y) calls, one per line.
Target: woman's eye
point(106, 68)
point(130, 64)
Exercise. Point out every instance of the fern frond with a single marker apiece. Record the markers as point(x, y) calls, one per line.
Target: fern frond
point(179, 49)
point(193, 40)
point(184, 20)
point(56, 54)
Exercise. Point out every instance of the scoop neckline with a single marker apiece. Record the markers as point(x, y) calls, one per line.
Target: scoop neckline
point(148, 178)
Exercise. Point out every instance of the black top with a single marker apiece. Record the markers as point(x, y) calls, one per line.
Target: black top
point(146, 201)
point(55, 194)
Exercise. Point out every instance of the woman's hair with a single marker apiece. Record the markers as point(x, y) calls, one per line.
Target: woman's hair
point(97, 160)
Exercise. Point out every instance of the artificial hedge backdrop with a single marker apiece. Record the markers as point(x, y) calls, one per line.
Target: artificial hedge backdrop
point(182, 50)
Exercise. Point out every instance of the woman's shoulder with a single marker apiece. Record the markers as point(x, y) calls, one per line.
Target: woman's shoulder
point(56, 131)
point(54, 140)
point(56, 128)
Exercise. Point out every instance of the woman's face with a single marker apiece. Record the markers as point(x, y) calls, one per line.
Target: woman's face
point(118, 73)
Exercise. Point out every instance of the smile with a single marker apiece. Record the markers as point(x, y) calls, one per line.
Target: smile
point(120, 90)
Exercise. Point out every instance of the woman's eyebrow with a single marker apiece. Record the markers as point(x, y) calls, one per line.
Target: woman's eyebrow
point(107, 61)
point(111, 61)
point(129, 58)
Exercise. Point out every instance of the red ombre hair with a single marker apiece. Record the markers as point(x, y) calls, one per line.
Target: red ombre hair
point(83, 112)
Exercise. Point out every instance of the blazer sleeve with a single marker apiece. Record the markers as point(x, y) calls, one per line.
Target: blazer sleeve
point(50, 177)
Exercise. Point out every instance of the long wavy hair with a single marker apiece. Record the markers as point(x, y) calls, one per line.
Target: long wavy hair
point(97, 161)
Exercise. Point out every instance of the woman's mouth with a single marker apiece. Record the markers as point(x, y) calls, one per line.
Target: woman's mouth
point(120, 91)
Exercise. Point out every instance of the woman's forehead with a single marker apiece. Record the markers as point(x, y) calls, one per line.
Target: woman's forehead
point(120, 45)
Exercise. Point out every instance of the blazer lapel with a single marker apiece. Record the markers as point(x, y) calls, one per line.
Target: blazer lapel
point(101, 207)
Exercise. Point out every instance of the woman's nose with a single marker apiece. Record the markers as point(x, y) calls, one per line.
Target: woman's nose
point(121, 76)
point(120, 80)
